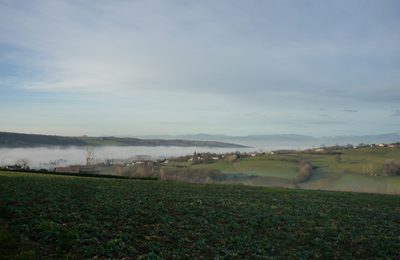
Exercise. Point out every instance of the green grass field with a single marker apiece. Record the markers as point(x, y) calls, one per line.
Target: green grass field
point(351, 174)
point(222, 165)
point(262, 167)
point(64, 217)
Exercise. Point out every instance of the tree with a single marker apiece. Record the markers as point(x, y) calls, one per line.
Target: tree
point(195, 159)
point(90, 154)
point(390, 167)
point(338, 158)
point(303, 174)
point(23, 163)
point(207, 158)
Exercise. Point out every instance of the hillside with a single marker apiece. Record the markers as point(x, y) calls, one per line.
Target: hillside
point(359, 170)
point(60, 217)
point(17, 140)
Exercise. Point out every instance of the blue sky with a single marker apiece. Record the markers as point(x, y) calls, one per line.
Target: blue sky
point(184, 67)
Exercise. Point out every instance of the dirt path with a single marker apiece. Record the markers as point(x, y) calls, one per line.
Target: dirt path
point(239, 171)
point(245, 177)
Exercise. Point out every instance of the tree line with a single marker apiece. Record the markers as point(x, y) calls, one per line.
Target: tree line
point(304, 173)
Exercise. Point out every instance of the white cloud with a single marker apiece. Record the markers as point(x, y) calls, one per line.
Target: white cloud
point(205, 57)
point(396, 112)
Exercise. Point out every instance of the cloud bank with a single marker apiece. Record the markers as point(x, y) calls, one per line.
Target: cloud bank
point(120, 65)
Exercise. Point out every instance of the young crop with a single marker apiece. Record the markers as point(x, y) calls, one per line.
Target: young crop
point(65, 217)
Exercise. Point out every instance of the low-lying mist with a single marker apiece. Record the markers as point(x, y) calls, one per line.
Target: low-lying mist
point(43, 156)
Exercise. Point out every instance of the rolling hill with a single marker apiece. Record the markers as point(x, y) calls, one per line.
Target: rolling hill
point(18, 140)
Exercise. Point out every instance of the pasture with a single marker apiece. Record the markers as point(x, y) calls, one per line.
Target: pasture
point(353, 173)
point(64, 217)
point(268, 166)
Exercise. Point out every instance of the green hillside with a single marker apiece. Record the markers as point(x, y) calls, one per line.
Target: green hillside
point(354, 171)
point(64, 217)
point(358, 170)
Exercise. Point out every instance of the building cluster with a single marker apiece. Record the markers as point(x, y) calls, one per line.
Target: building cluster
point(361, 145)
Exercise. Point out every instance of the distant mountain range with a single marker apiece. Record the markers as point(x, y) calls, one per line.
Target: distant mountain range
point(17, 140)
point(285, 141)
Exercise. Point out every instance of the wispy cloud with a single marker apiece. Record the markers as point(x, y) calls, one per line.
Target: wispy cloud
point(177, 60)
point(326, 123)
point(375, 94)
point(171, 123)
point(252, 114)
point(396, 112)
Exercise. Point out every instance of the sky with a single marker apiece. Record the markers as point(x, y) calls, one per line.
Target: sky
point(316, 68)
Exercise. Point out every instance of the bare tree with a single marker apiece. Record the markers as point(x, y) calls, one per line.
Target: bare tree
point(90, 154)
point(338, 158)
point(390, 168)
point(23, 163)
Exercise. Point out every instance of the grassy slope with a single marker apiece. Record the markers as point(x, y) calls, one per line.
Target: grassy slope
point(264, 166)
point(61, 217)
point(348, 175)
point(222, 165)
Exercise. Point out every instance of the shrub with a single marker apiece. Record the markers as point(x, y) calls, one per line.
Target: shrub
point(304, 172)
point(391, 168)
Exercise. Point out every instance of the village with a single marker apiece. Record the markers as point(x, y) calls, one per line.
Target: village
point(100, 166)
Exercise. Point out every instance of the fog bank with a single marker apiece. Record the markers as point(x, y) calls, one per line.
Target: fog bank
point(76, 155)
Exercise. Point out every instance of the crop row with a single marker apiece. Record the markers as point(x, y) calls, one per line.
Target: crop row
point(73, 217)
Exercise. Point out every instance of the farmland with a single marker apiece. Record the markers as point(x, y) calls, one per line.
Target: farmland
point(359, 170)
point(64, 217)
